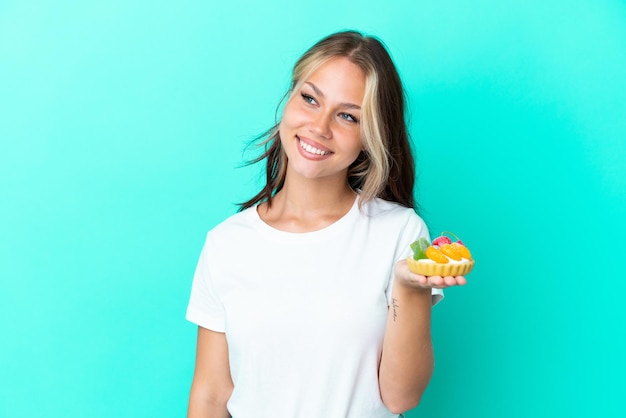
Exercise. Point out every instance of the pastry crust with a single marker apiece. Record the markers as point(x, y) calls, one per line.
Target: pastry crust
point(437, 269)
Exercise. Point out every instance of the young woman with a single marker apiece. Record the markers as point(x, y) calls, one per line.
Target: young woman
point(304, 302)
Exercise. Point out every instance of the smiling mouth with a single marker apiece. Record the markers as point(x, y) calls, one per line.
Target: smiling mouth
point(308, 148)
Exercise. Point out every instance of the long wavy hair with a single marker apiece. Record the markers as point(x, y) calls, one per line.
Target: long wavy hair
point(385, 168)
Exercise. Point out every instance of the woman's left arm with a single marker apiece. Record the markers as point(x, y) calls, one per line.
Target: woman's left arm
point(407, 359)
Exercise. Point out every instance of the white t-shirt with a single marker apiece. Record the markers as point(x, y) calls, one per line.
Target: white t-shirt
point(304, 313)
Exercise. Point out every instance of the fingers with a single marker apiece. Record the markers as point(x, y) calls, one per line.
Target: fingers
point(436, 281)
point(411, 279)
point(460, 280)
point(441, 282)
point(454, 280)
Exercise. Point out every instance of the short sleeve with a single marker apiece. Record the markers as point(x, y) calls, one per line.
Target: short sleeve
point(414, 229)
point(205, 307)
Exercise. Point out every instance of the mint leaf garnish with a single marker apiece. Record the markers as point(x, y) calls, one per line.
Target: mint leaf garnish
point(419, 248)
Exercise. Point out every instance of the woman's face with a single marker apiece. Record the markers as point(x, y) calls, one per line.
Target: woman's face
point(320, 127)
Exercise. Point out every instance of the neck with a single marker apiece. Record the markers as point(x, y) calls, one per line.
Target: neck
point(308, 205)
point(316, 195)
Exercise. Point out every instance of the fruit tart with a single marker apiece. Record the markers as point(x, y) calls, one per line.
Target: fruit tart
point(442, 257)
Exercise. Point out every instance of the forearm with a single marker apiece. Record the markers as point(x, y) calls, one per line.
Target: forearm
point(407, 358)
point(212, 384)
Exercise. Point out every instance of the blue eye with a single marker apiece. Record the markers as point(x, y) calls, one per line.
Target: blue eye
point(308, 99)
point(348, 117)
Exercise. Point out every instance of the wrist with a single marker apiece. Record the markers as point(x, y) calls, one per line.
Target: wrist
point(408, 302)
point(410, 290)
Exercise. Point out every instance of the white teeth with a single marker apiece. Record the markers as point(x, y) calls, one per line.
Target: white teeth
point(313, 150)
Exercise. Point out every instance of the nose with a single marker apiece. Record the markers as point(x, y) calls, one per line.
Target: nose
point(320, 125)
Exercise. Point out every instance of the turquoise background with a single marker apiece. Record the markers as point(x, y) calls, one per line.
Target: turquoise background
point(122, 124)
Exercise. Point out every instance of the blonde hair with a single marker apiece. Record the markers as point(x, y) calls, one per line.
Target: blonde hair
point(385, 167)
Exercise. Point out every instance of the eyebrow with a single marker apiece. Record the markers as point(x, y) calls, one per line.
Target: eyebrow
point(319, 93)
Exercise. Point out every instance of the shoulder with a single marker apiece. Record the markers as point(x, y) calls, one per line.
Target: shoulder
point(391, 216)
point(390, 211)
point(240, 223)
